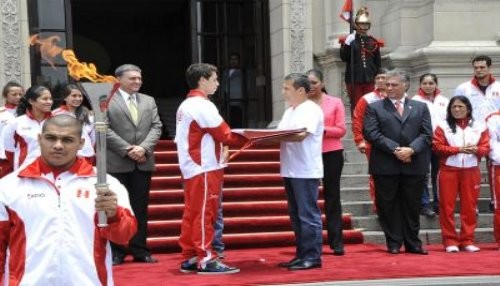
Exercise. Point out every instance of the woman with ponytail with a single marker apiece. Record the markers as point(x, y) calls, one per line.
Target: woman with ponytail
point(73, 105)
point(20, 136)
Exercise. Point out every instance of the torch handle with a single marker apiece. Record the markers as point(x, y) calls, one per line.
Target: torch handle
point(101, 186)
point(102, 218)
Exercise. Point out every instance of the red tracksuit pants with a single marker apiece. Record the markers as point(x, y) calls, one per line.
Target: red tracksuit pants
point(371, 183)
point(495, 185)
point(466, 184)
point(201, 203)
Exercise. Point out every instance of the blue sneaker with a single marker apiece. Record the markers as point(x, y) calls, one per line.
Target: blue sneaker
point(189, 266)
point(217, 267)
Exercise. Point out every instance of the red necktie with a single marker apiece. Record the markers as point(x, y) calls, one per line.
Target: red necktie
point(399, 107)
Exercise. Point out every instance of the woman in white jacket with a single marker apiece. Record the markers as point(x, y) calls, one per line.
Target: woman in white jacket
point(460, 142)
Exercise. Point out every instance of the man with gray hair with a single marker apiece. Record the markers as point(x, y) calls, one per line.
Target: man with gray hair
point(400, 132)
point(134, 128)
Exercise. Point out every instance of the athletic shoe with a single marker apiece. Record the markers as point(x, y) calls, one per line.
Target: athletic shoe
point(452, 249)
point(220, 254)
point(471, 248)
point(217, 267)
point(189, 266)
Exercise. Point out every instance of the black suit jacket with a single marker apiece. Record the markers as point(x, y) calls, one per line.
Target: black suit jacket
point(385, 129)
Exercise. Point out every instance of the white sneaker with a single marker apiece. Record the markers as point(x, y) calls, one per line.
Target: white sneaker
point(452, 249)
point(471, 248)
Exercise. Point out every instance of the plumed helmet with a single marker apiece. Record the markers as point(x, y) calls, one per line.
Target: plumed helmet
point(362, 16)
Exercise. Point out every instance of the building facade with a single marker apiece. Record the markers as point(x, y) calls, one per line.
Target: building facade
point(271, 38)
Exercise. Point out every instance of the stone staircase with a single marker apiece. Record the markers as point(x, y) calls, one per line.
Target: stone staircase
point(356, 201)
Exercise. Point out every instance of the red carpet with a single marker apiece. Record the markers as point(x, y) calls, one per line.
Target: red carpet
point(362, 261)
point(255, 207)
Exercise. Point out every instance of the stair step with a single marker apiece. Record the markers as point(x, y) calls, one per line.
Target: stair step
point(172, 169)
point(231, 209)
point(245, 240)
point(236, 225)
point(242, 194)
point(430, 236)
point(364, 208)
point(370, 223)
point(230, 180)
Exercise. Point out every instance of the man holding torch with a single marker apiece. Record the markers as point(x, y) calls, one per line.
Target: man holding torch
point(48, 215)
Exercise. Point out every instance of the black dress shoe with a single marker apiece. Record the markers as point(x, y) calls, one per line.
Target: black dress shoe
point(304, 265)
point(117, 260)
point(338, 252)
point(146, 259)
point(294, 261)
point(393, 250)
point(418, 250)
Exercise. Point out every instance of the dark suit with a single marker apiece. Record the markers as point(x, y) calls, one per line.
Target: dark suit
point(122, 133)
point(399, 185)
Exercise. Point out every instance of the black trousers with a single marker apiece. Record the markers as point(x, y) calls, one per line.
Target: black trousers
point(137, 184)
point(333, 162)
point(398, 199)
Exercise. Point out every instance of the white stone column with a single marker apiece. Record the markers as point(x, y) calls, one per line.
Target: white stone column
point(441, 37)
point(14, 51)
point(291, 45)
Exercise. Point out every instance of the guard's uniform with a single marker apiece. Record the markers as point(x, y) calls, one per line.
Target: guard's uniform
point(48, 225)
point(366, 62)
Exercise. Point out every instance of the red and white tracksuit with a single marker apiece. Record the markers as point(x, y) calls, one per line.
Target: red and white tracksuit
point(20, 139)
point(459, 173)
point(358, 117)
point(5, 117)
point(483, 104)
point(493, 123)
point(48, 227)
point(437, 106)
point(88, 133)
point(200, 133)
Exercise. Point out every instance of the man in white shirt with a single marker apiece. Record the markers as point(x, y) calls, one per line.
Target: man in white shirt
point(302, 169)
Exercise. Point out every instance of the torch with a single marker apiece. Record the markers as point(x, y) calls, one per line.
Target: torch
point(99, 99)
point(97, 93)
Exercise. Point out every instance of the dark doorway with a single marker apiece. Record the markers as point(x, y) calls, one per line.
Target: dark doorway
point(163, 38)
point(234, 35)
point(152, 34)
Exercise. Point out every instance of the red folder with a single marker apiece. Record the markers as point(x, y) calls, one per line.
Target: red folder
point(261, 135)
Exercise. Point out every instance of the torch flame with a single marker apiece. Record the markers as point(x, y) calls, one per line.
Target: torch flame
point(77, 70)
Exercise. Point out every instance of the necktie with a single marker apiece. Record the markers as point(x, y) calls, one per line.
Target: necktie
point(132, 107)
point(399, 107)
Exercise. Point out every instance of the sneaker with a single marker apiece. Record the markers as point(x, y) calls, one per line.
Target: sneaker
point(452, 249)
point(427, 212)
point(471, 248)
point(217, 267)
point(189, 266)
point(220, 254)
